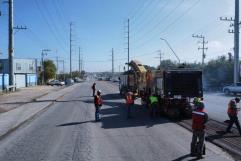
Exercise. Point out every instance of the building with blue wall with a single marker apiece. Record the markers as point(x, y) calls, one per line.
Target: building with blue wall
point(25, 72)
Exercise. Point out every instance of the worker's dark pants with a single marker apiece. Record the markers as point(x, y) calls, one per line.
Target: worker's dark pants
point(129, 107)
point(153, 109)
point(97, 113)
point(197, 135)
point(233, 119)
point(93, 92)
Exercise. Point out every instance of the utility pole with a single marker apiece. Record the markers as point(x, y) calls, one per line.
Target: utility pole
point(235, 23)
point(57, 66)
point(112, 55)
point(128, 50)
point(203, 48)
point(128, 44)
point(160, 57)
point(70, 48)
point(79, 60)
point(10, 43)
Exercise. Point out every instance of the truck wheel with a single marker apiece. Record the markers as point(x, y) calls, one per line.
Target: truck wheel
point(227, 91)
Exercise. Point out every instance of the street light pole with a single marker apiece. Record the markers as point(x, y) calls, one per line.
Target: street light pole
point(171, 49)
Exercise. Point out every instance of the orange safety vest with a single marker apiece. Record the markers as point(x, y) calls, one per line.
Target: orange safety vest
point(98, 100)
point(198, 119)
point(231, 111)
point(129, 99)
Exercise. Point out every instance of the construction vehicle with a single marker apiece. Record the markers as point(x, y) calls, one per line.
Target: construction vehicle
point(134, 79)
point(175, 88)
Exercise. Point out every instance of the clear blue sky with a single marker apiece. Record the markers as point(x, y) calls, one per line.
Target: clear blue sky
point(100, 25)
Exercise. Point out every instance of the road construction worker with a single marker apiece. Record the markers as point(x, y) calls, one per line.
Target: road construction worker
point(199, 118)
point(195, 102)
point(93, 89)
point(154, 103)
point(233, 114)
point(129, 102)
point(98, 103)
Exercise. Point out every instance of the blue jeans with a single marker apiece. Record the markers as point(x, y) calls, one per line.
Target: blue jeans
point(129, 107)
point(198, 136)
point(97, 113)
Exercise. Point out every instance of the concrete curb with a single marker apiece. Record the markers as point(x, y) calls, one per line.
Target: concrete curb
point(233, 152)
point(34, 99)
point(32, 117)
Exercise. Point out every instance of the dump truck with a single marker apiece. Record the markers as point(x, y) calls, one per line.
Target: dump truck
point(175, 88)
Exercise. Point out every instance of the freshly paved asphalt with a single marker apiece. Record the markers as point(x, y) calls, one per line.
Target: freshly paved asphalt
point(67, 131)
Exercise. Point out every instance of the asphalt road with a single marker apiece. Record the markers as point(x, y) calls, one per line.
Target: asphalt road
point(67, 131)
point(217, 104)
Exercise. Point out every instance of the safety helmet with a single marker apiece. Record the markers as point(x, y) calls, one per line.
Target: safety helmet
point(196, 100)
point(99, 91)
point(237, 99)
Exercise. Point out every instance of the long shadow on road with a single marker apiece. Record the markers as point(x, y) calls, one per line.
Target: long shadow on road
point(114, 114)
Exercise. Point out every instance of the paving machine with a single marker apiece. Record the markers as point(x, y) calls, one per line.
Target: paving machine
point(175, 88)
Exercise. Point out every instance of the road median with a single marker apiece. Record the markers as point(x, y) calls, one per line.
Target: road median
point(13, 119)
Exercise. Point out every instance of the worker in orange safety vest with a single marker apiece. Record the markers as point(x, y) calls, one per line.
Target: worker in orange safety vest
point(93, 89)
point(98, 103)
point(199, 119)
point(129, 102)
point(233, 114)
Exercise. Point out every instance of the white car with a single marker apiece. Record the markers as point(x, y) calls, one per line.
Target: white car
point(56, 83)
point(232, 89)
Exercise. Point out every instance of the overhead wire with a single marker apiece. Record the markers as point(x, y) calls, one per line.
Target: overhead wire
point(59, 15)
point(49, 26)
point(180, 16)
point(52, 20)
point(153, 30)
point(172, 23)
point(154, 18)
point(138, 17)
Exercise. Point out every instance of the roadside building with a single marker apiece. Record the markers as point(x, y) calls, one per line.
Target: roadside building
point(25, 72)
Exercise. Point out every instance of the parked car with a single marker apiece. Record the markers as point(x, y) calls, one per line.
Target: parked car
point(69, 82)
point(78, 80)
point(55, 83)
point(232, 89)
point(115, 80)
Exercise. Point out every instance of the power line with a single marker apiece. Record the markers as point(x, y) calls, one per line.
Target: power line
point(49, 26)
point(154, 17)
point(136, 8)
point(168, 26)
point(181, 16)
point(53, 22)
point(153, 29)
point(59, 13)
point(145, 7)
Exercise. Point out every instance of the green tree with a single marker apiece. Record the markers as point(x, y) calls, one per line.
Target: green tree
point(218, 72)
point(50, 70)
point(168, 64)
point(149, 67)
